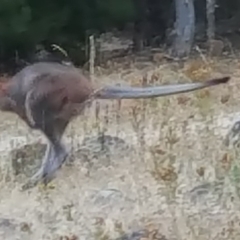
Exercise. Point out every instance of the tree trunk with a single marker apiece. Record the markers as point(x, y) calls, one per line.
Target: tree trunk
point(139, 24)
point(210, 9)
point(184, 28)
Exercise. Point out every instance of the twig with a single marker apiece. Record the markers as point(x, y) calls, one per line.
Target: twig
point(63, 51)
point(201, 54)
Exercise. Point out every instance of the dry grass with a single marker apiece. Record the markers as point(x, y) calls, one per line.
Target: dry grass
point(171, 178)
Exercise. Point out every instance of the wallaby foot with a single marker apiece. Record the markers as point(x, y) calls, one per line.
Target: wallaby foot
point(52, 161)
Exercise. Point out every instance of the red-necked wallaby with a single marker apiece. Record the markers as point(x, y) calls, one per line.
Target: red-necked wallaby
point(48, 95)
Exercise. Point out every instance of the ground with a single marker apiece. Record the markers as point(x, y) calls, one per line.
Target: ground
point(165, 168)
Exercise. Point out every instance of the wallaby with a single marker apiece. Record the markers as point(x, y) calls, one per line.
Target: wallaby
point(48, 95)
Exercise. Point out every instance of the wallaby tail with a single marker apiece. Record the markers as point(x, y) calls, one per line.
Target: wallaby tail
point(115, 92)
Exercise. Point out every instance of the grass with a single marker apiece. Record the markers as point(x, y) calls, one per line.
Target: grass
point(175, 181)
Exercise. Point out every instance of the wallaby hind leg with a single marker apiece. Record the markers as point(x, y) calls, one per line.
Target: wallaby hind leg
point(54, 157)
point(58, 153)
point(43, 117)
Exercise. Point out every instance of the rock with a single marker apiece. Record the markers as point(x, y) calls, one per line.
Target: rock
point(143, 235)
point(11, 229)
point(107, 197)
point(157, 57)
point(216, 48)
point(232, 138)
point(101, 150)
point(27, 159)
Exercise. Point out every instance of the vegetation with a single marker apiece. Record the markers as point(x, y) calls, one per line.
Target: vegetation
point(26, 24)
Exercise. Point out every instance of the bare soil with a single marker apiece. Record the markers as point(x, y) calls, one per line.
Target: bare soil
point(163, 167)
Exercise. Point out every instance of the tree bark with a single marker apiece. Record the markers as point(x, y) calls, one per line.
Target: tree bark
point(184, 28)
point(210, 9)
point(139, 24)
